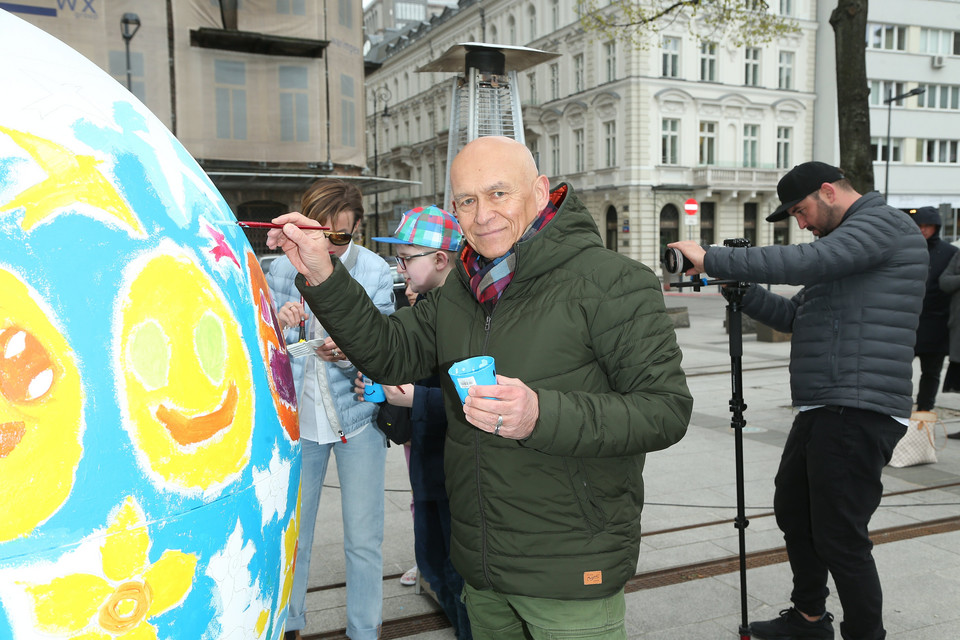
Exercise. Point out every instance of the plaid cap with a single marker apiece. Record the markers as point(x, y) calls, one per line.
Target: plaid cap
point(428, 226)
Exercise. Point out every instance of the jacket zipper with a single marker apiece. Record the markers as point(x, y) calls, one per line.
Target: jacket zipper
point(476, 448)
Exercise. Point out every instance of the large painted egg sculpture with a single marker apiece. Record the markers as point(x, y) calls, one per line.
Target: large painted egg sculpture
point(149, 452)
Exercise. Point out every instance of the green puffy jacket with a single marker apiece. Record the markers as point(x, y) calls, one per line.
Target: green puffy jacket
point(556, 515)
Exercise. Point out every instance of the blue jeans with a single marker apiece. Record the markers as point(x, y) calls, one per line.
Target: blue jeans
point(360, 467)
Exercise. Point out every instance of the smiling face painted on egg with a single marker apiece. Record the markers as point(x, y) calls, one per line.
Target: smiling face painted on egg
point(41, 411)
point(274, 351)
point(184, 373)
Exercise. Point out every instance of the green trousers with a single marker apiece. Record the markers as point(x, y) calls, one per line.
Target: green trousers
point(499, 616)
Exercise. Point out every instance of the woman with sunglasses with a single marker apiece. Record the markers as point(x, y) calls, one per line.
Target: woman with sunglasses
point(332, 419)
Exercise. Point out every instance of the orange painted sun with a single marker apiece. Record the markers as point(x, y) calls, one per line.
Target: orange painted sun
point(41, 411)
point(187, 387)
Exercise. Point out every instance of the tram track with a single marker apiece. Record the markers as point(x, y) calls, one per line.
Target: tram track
point(421, 623)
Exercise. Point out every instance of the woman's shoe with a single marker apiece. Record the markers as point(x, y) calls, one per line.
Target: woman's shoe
point(409, 578)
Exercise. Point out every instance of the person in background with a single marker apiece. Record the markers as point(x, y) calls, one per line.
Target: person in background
point(933, 336)
point(950, 284)
point(543, 469)
point(333, 420)
point(428, 240)
point(851, 367)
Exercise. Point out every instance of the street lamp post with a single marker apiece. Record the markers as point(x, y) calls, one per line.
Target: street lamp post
point(381, 95)
point(129, 25)
point(890, 99)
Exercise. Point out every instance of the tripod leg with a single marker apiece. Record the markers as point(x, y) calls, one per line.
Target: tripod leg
point(737, 422)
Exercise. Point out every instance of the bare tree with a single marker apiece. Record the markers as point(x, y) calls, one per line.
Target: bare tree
point(849, 22)
point(748, 22)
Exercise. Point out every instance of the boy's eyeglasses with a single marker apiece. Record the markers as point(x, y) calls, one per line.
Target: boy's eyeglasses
point(402, 260)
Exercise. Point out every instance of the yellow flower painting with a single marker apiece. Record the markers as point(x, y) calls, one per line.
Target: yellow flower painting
point(119, 603)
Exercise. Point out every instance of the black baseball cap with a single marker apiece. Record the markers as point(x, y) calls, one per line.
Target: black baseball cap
point(800, 182)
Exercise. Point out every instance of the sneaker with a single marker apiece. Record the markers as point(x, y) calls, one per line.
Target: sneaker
point(409, 578)
point(791, 625)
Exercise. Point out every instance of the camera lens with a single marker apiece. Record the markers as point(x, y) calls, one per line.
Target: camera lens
point(675, 262)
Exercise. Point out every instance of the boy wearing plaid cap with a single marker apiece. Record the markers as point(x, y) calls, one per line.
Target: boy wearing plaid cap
point(428, 240)
point(431, 233)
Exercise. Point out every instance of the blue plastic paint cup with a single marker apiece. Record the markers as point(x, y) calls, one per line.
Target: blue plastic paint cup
point(372, 391)
point(476, 370)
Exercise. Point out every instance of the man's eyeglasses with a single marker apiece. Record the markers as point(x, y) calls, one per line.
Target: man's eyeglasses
point(402, 260)
point(338, 238)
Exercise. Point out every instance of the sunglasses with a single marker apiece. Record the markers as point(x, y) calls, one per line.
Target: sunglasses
point(338, 238)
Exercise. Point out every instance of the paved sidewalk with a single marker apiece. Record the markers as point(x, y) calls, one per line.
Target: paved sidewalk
point(694, 482)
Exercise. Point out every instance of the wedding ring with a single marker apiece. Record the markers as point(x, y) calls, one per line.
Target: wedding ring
point(496, 430)
point(335, 353)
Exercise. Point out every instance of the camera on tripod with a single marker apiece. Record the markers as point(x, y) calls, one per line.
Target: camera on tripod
point(674, 262)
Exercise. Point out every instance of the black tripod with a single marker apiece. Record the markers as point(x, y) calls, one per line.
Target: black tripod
point(733, 292)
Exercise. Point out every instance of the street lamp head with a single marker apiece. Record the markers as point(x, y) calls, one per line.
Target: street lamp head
point(129, 25)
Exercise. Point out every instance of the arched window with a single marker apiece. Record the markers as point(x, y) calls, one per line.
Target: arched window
point(612, 228)
point(669, 226)
point(532, 22)
point(512, 30)
point(493, 35)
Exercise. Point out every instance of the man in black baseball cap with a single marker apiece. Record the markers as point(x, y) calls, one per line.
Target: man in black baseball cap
point(851, 363)
point(800, 182)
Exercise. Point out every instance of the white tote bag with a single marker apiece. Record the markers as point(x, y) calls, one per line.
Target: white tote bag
point(918, 445)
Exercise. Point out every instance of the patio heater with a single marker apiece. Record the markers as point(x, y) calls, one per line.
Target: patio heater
point(485, 100)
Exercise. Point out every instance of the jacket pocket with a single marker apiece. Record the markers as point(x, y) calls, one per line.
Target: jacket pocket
point(586, 499)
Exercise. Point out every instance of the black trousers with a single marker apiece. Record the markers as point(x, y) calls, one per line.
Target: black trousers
point(827, 488)
point(931, 364)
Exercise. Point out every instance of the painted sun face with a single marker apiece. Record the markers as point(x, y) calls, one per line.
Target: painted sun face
point(41, 411)
point(187, 388)
point(274, 351)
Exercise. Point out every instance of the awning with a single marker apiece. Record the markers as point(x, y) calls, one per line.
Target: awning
point(290, 181)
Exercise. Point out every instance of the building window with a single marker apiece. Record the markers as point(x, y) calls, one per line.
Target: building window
point(230, 81)
point(578, 73)
point(940, 41)
point(670, 141)
point(786, 7)
point(579, 151)
point(554, 82)
point(886, 36)
point(751, 66)
point(511, 30)
point(881, 89)
point(750, 222)
point(784, 134)
point(493, 35)
point(533, 144)
point(555, 14)
point(532, 87)
point(292, 7)
point(610, 51)
point(117, 61)
point(671, 57)
point(708, 143)
point(294, 101)
point(532, 22)
point(346, 13)
point(878, 147)
point(939, 96)
point(708, 61)
point(751, 144)
point(555, 154)
point(937, 151)
point(785, 80)
point(610, 143)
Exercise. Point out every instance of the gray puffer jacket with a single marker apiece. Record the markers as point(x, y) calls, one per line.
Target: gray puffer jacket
point(855, 321)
